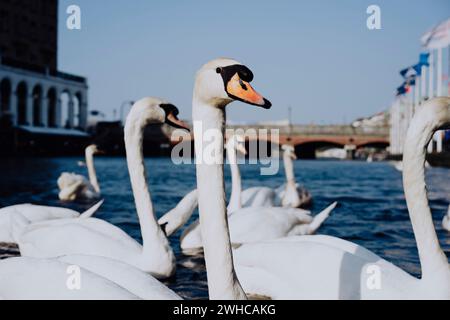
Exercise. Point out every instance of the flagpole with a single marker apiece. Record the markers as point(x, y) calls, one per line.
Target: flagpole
point(438, 135)
point(439, 73)
point(431, 75)
point(424, 83)
point(416, 95)
point(448, 75)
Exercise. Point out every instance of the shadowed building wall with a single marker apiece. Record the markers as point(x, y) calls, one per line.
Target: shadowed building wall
point(28, 33)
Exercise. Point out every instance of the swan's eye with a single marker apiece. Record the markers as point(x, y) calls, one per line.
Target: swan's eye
point(219, 70)
point(243, 86)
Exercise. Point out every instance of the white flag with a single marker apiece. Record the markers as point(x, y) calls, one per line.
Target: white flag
point(438, 37)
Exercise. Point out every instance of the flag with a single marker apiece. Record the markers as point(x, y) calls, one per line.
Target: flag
point(438, 37)
point(423, 59)
point(408, 72)
point(418, 69)
point(403, 89)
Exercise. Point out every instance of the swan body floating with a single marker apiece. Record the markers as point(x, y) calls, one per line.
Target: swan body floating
point(76, 187)
point(97, 237)
point(25, 278)
point(446, 220)
point(331, 268)
point(259, 224)
point(34, 213)
point(313, 266)
point(319, 267)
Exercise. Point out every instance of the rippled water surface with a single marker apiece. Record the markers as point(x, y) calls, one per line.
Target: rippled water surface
point(372, 210)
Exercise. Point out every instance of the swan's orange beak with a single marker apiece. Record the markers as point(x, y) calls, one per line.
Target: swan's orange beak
point(171, 116)
point(243, 91)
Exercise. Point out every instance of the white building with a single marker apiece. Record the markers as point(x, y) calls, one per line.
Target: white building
point(32, 99)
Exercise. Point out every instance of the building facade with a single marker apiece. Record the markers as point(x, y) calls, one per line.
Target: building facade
point(34, 95)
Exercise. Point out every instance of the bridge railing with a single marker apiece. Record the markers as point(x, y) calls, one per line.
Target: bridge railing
point(321, 130)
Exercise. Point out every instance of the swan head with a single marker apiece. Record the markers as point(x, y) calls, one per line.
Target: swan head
point(222, 81)
point(237, 142)
point(155, 110)
point(92, 149)
point(289, 151)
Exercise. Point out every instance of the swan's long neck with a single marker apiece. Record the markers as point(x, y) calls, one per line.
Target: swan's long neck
point(288, 168)
point(222, 280)
point(236, 186)
point(91, 170)
point(431, 116)
point(152, 236)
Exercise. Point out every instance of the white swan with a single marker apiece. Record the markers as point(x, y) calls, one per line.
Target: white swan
point(312, 266)
point(234, 145)
point(318, 267)
point(446, 220)
point(289, 194)
point(97, 237)
point(292, 195)
point(35, 213)
point(99, 278)
point(76, 187)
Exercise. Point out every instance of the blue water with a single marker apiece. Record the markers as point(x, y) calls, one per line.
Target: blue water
point(372, 210)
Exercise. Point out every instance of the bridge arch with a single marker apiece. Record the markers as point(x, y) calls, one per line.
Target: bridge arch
point(307, 150)
point(374, 144)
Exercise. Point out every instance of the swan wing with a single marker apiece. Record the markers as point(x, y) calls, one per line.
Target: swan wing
point(128, 277)
point(179, 216)
point(258, 197)
point(322, 268)
point(77, 236)
point(264, 223)
point(32, 213)
point(47, 279)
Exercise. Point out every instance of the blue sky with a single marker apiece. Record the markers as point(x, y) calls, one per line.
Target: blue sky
point(316, 56)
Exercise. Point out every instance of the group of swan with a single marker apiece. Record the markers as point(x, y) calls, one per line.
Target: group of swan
point(289, 194)
point(76, 187)
point(251, 222)
point(71, 187)
point(97, 237)
point(305, 267)
point(313, 266)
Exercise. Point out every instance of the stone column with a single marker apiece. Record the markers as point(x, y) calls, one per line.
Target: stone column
point(58, 109)
point(29, 107)
point(71, 110)
point(83, 111)
point(13, 103)
point(44, 108)
point(439, 141)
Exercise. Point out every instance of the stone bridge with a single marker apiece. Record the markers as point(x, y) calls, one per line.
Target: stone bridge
point(308, 138)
